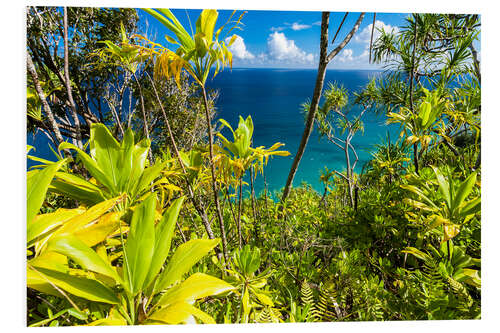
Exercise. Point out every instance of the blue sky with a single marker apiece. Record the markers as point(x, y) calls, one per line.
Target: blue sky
point(289, 39)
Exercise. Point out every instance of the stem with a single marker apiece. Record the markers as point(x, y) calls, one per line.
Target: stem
point(320, 79)
point(199, 208)
point(349, 172)
point(214, 181)
point(46, 107)
point(68, 82)
point(255, 224)
point(412, 73)
point(145, 119)
point(240, 240)
point(131, 309)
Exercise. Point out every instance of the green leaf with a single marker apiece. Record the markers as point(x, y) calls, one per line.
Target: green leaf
point(170, 39)
point(170, 21)
point(44, 223)
point(184, 258)
point(264, 299)
point(37, 184)
point(106, 151)
point(97, 232)
point(91, 166)
point(464, 190)
point(164, 231)
point(139, 248)
point(149, 175)
point(417, 253)
point(425, 110)
point(83, 255)
point(197, 286)
point(444, 186)
point(76, 188)
point(76, 285)
point(136, 156)
point(206, 23)
point(179, 313)
point(471, 207)
point(89, 215)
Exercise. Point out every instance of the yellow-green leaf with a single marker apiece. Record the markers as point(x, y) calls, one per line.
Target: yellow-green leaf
point(183, 259)
point(83, 255)
point(97, 232)
point(75, 285)
point(197, 286)
point(179, 313)
point(37, 182)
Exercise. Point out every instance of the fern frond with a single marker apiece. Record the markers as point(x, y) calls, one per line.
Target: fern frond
point(306, 294)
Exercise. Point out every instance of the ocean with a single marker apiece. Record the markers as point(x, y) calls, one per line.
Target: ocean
point(273, 98)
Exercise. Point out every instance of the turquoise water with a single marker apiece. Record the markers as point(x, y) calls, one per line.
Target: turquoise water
point(273, 98)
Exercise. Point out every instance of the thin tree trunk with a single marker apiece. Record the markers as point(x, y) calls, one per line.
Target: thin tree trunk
point(240, 190)
point(371, 38)
point(46, 107)
point(324, 59)
point(412, 73)
point(255, 221)
point(265, 192)
point(67, 81)
point(320, 79)
point(231, 207)
point(477, 65)
point(201, 211)
point(214, 181)
point(145, 119)
point(349, 172)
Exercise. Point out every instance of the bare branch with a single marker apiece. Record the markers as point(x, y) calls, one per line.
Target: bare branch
point(346, 39)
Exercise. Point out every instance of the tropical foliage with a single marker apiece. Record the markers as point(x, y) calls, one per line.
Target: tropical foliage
point(120, 227)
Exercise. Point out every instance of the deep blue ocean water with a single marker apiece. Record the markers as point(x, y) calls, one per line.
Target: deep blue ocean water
point(273, 98)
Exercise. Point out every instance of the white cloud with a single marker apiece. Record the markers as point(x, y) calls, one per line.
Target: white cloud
point(346, 56)
point(278, 28)
point(365, 34)
point(349, 59)
point(297, 26)
point(239, 49)
point(283, 49)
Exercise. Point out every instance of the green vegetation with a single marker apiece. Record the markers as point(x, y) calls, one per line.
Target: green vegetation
point(120, 229)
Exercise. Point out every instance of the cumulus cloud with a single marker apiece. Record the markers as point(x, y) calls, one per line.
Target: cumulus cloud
point(346, 56)
point(280, 48)
point(297, 26)
point(349, 58)
point(365, 34)
point(239, 49)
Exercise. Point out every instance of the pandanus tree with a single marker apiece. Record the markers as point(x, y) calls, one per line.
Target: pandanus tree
point(196, 54)
point(339, 122)
point(434, 51)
